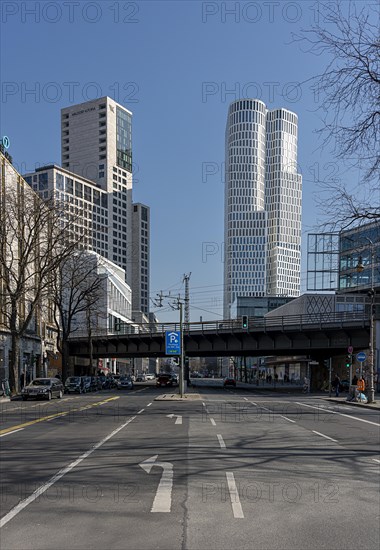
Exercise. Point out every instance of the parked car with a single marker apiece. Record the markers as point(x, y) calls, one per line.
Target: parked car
point(140, 378)
point(43, 388)
point(86, 381)
point(150, 376)
point(74, 384)
point(125, 383)
point(93, 383)
point(229, 382)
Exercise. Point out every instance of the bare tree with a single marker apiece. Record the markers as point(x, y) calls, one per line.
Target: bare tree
point(350, 91)
point(77, 298)
point(33, 242)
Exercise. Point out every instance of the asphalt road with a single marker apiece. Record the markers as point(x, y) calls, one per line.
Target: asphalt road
point(234, 469)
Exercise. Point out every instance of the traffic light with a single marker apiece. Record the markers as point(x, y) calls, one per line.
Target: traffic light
point(348, 361)
point(244, 321)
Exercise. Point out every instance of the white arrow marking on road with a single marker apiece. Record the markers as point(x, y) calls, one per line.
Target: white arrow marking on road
point(163, 499)
point(178, 419)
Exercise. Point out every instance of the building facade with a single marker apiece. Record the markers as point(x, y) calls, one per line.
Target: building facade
point(82, 199)
point(96, 144)
point(262, 203)
point(140, 257)
point(23, 242)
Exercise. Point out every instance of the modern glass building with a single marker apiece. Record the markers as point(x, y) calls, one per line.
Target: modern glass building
point(262, 203)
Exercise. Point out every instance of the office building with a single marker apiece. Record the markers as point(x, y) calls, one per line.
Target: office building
point(262, 203)
point(140, 257)
point(84, 200)
point(96, 144)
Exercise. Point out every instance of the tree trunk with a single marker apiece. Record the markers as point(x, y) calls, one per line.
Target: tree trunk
point(14, 367)
point(65, 359)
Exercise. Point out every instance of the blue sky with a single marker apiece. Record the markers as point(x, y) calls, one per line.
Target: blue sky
point(177, 66)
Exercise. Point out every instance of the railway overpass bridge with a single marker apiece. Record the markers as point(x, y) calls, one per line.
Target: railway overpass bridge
point(316, 335)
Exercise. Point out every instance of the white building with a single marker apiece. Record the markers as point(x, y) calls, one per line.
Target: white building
point(83, 199)
point(96, 142)
point(262, 203)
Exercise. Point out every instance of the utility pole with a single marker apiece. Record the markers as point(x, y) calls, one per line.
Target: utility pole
point(176, 304)
point(186, 279)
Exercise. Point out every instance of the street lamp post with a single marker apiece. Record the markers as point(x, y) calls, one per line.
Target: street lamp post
point(371, 293)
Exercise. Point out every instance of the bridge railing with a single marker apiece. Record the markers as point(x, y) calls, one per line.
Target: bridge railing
point(282, 323)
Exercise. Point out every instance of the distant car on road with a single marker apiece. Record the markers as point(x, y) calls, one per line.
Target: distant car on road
point(229, 382)
point(43, 388)
point(125, 383)
point(164, 379)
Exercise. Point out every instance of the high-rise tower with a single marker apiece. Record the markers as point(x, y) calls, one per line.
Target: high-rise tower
point(262, 222)
point(96, 143)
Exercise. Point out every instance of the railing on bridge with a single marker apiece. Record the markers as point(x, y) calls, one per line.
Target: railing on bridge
point(282, 323)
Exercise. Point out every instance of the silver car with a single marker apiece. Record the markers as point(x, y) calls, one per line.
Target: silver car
point(43, 388)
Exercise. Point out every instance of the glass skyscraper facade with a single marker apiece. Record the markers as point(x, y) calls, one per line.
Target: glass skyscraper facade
point(262, 203)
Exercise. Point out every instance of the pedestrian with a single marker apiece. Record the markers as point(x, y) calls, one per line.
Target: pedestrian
point(354, 381)
point(361, 385)
point(336, 385)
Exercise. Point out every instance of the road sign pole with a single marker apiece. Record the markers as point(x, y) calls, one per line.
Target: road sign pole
point(181, 372)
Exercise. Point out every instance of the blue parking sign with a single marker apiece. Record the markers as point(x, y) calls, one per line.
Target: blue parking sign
point(172, 342)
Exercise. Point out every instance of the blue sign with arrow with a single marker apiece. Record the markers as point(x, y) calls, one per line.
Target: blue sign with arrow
point(172, 342)
point(361, 356)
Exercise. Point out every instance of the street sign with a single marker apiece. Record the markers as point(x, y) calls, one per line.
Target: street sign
point(172, 342)
point(361, 356)
point(350, 349)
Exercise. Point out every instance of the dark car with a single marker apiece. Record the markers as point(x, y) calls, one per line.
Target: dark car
point(125, 383)
point(43, 388)
point(164, 379)
point(229, 382)
point(74, 384)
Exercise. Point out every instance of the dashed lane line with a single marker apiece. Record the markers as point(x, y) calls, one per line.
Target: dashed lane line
point(234, 496)
point(221, 441)
point(325, 436)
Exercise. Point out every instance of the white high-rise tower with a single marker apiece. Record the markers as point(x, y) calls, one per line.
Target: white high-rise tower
point(262, 203)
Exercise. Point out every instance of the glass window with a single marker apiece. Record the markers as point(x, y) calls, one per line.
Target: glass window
point(124, 139)
point(43, 181)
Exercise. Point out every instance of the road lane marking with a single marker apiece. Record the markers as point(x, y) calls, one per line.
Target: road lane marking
point(14, 431)
point(149, 404)
point(326, 436)
point(221, 441)
point(163, 498)
point(142, 410)
point(178, 419)
point(43, 488)
point(56, 415)
point(341, 414)
point(234, 496)
point(212, 421)
point(376, 460)
point(286, 418)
